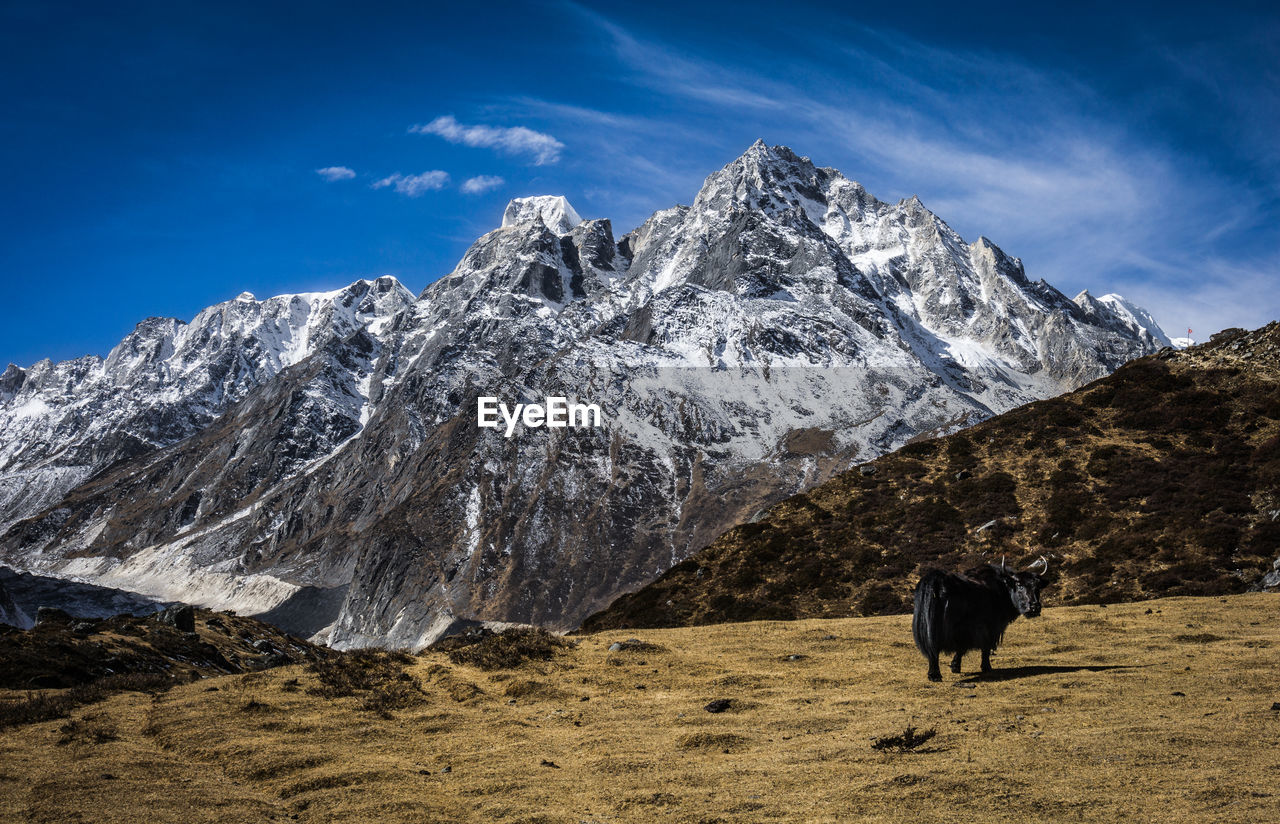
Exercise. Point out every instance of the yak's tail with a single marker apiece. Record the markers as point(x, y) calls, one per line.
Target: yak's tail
point(926, 621)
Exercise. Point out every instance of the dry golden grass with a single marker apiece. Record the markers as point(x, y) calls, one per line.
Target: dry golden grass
point(1130, 712)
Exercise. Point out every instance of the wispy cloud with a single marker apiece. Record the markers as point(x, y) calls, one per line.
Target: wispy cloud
point(414, 185)
point(514, 140)
point(1054, 170)
point(336, 173)
point(481, 183)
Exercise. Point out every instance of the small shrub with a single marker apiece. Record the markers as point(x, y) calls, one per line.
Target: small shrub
point(360, 671)
point(509, 650)
point(34, 708)
point(908, 741)
point(46, 706)
point(393, 695)
point(1198, 638)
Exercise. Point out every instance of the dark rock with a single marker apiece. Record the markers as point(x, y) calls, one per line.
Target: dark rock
point(1275, 706)
point(551, 764)
point(719, 705)
point(634, 645)
point(182, 617)
point(52, 615)
point(867, 469)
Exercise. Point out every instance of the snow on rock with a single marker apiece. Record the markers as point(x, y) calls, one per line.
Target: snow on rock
point(1115, 312)
point(1135, 316)
point(553, 210)
point(62, 422)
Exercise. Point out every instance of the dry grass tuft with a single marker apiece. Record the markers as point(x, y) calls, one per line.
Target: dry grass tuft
point(380, 677)
point(91, 729)
point(509, 650)
point(46, 705)
point(723, 741)
point(359, 671)
point(907, 741)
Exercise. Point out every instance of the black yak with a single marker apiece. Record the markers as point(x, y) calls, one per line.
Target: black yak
point(957, 613)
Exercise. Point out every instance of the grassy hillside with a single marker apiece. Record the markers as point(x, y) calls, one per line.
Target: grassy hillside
point(1160, 711)
point(1162, 479)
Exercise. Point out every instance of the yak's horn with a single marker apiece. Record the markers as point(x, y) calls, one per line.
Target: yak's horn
point(1002, 562)
point(1043, 563)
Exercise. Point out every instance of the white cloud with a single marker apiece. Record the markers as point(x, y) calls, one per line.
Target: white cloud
point(481, 183)
point(415, 185)
point(335, 173)
point(516, 140)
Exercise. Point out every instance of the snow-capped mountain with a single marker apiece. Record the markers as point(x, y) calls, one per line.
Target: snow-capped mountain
point(782, 328)
point(63, 422)
point(1120, 314)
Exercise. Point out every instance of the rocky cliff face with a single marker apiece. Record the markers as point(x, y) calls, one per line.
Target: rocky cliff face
point(784, 326)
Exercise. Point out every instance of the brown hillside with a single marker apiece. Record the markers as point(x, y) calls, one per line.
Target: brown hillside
point(1161, 479)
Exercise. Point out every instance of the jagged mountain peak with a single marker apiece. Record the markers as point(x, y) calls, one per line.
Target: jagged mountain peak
point(760, 153)
point(770, 179)
point(1117, 312)
point(553, 211)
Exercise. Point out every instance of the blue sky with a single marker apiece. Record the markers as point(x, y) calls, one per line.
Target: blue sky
point(160, 157)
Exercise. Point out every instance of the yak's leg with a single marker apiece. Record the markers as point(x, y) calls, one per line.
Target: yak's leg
point(935, 674)
point(955, 662)
point(986, 660)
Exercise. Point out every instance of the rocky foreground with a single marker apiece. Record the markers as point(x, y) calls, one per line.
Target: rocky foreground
point(1159, 711)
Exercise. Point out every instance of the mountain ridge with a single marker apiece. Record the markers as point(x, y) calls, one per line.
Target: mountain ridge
point(782, 327)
